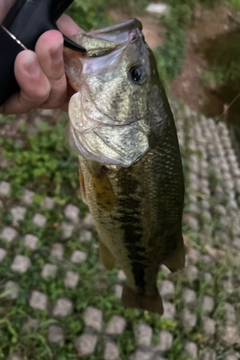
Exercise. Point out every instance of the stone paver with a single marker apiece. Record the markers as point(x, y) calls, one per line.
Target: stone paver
point(142, 355)
point(57, 251)
point(8, 234)
point(189, 319)
point(72, 213)
point(230, 335)
point(121, 276)
point(191, 349)
point(208, 304)
point(192, 222)
point(231, 357)
point(48, 203)
point(14, 357)
point(189, 296)
point(28, 197)
point(143, 334)
point(118, 291)
point(193, 255)
point(111, 351)
point(85, 236)
point(230, 313)
point(49, 270)
point(208, 326)
point(39, 220)
point(3, 254)
point(55, 334)
point(167, 288)
point(228, 286)
point(12, 288)
point(30, 325)
point(88, 220)
point(116, 325)
point(93, 318)
point(78, 256)
point(38, 300)
point(67, 230)
point(31, 241)
point(191, 272)
point(209, 354)
point(18, 214)
point(169, 310)
point(5, 188)
point(62, 308)
point(71, 280)
point(21, 264)
point(165, 341)
point(85, 344)
point(208, 277)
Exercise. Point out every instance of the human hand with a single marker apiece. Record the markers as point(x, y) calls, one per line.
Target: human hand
point(41, 74)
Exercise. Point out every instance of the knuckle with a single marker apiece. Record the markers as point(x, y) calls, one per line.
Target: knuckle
point(54, 101)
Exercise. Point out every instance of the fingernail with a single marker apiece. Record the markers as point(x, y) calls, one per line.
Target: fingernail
point(57, 53)
point(31, 65)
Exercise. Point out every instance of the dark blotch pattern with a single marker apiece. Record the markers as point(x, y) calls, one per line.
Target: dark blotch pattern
point(129, 216)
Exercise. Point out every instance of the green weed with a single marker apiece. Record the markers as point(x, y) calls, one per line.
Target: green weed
point(44, 162)
point(235, 4)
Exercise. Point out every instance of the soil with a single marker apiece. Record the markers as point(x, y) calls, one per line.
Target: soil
point(206, 24)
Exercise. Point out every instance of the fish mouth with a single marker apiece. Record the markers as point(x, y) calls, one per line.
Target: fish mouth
point(125, 31)
point(107, 38)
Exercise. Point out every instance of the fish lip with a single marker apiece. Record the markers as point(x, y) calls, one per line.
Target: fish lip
point(132, 27)
point(128, 25)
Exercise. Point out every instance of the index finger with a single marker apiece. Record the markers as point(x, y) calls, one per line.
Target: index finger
point(67, 26)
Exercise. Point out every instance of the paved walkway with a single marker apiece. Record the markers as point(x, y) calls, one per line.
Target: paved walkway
point(49, 270)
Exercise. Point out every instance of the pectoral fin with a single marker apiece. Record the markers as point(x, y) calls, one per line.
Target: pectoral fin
point(102, 187)
point(176, 260)
point(106, 256)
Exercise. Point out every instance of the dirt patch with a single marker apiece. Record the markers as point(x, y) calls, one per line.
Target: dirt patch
point(153, 32)
point(206, 24)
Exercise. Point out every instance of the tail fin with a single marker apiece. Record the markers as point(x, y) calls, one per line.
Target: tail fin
point(132, 299)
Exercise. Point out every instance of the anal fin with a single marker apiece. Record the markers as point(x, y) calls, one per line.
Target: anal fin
point(106, 256)
point(176, 261)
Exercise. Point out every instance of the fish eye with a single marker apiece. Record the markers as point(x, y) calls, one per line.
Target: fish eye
point(136, 75)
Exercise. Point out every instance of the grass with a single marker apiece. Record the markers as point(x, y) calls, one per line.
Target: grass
point(43, 160)
point(235, 4)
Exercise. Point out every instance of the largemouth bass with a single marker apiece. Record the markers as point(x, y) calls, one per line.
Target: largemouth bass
point(131, 173)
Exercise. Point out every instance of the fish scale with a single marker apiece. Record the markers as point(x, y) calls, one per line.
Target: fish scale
point(130, 165)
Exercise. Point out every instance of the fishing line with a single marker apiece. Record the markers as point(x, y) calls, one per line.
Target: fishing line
point(228, 107)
